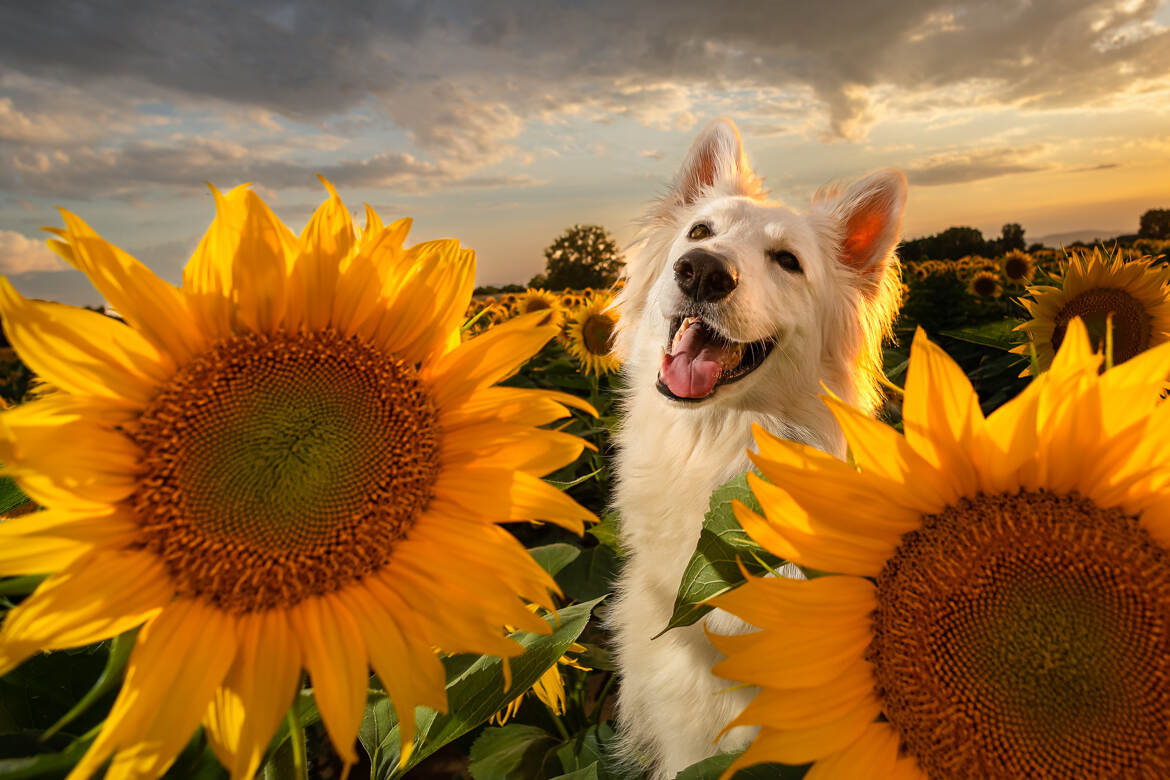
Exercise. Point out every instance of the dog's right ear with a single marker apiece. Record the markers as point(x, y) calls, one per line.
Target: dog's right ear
point(716, 163)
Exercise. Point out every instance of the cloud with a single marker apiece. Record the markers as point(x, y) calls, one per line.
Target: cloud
point(20, 254)
point(653, 154)
point(463, 80)
point(972, 165)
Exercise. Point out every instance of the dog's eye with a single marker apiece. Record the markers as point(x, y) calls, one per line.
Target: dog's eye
point(785, 260)
point(700, 231)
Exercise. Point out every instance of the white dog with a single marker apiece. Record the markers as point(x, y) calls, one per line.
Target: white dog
point(735, 310)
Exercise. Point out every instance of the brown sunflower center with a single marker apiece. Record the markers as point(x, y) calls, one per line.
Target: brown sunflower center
point(536, 304)
point(597, 333)
point(1027, 635)
point(985, 285)
point(1131, 322)
point(284, 466)
point(1017, 267)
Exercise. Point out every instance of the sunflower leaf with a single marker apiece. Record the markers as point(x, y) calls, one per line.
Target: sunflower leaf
point(998, 334)
point(723, 546)
point(475, 691)
point(514, 750)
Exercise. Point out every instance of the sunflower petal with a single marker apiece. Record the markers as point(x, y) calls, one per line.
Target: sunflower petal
point(100, 595)
point(511, 495)
point(154, 308)
point(335, 656)
point(871, 757)
point(328, 239)
point(179, 660)
point(256, 692)
point(81, 351)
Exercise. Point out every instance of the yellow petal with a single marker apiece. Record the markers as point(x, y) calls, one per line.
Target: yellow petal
point(179, 660)
point(325, 243)
point(872, 756)
point(793, 708)
point(52, 539)
point(510, 446)
point(81, 351)
point(525, 406)
point(510, 495)
point(486, 359)
point(335, 656)
point(781, 603)
point(811, 550)
point(102, 594)
point(256, 693)
point(154, 308)
point(764, 659)
point(803, 745)
point(409, 670)
point(63, 455)
point(882, 451)
point(941, 412)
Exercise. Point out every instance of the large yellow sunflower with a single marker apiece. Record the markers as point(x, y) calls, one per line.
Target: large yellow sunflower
point(1094, 286)
point(588, 335)
point(1002, 607)
point(289, 463)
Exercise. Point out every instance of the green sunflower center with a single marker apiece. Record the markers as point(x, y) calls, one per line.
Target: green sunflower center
point(1027, 636)
point(279, 467)
point(1131, 322)
point(597, 334)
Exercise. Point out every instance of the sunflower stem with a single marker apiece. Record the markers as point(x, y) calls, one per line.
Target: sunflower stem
point(296, 733)
point(1109, 341)
point(564, 732)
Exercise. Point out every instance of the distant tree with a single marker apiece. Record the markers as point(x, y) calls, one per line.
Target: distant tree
point(1013, 238)
point(951, 244)
point(539, 282)
point(582, 256)
point(1155, 223)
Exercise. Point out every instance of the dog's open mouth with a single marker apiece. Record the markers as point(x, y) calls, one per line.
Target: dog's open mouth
point(699, 360)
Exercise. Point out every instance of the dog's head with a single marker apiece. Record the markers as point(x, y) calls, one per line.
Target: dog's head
point(729, 294)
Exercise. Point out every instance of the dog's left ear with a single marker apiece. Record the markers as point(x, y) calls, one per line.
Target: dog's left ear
point(869, 217)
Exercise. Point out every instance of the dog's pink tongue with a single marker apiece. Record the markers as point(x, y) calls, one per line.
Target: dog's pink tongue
point(694, 366)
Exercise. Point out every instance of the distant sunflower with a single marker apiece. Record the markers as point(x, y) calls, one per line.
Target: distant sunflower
point(541, 300)
point(1018, 267)
point(985, 284)
point(1094, 286)
point(1003, 603)
point(589, 335)
point(550, 688)
point(289, 463)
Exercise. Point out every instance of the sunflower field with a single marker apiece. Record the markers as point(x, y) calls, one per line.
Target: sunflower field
point(319, 512)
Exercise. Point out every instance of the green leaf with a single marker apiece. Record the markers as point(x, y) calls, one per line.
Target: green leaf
point(512, 752)
point(588, 748)
point(711, 768)
point(723, 545)
point(475, 691)
point(999, 334)
point(554, 557)
point(110, 678)
point(606, 532)
point(11, 497)
point(590, 575)
point(586, 773)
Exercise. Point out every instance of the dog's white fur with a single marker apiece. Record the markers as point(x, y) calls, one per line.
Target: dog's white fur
point(829, 323)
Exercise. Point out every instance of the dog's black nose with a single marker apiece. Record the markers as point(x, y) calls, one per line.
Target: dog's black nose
point(704, 276)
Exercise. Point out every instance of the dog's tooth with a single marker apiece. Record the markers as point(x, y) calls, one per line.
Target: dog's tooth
point(682, 329)
point(733, 356)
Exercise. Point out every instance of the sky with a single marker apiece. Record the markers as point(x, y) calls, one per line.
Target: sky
point(502, 123)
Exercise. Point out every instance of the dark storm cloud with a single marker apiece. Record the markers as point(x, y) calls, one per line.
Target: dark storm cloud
point(466, 78)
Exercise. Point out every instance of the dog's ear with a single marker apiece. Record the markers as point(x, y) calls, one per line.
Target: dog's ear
point(716, 161)
point(869, 217)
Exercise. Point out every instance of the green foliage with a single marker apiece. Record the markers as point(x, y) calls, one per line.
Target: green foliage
point(583, 256)
point(1155, 223)
point(715, 566)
